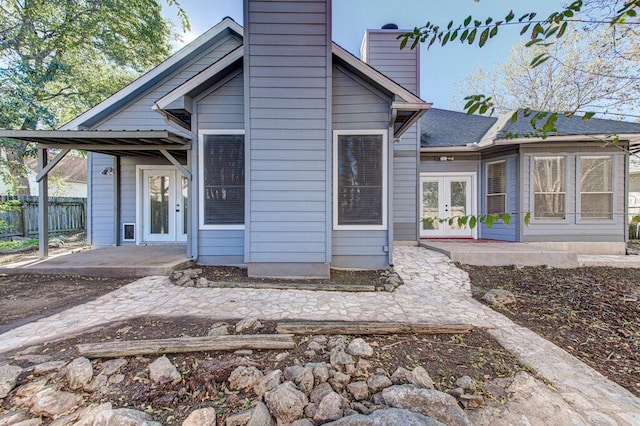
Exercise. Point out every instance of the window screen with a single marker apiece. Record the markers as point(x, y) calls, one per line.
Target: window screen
point(360, 173)
point(223, 171)
point(496, 187)
point(596, 187)
point(549, 187)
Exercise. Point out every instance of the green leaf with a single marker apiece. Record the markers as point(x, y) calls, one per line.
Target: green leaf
point(454, 35)
point(494, 32)
point(464, 35)
point(510, 16)
point(403, 43)
point(450, 25)
point(490, 219)
point(631, 13)
point(446, 38)
point(525, 29)
point(588, 115)
point(506, 219)
point(527, 219)
point(473, 221)
point(451, 219)
point(467, 21)
point(550, 125)
point(514, 117)
point(563, 28)
point(472, 36)
point(483, 37)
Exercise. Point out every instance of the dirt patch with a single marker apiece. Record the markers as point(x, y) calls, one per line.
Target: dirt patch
point(204, 374)
point(26, 298)
point(593, 313)
point(58, 244)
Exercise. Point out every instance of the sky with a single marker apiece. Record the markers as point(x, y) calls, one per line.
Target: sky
point(441, 67)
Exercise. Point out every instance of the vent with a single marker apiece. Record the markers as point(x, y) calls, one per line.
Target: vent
point(389, 27)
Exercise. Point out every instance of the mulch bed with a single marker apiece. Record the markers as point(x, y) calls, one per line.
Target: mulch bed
point(593, 313)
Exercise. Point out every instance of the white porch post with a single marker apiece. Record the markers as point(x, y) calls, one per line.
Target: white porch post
point(43, 205)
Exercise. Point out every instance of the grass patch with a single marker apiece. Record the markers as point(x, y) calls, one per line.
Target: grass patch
point(14, 245)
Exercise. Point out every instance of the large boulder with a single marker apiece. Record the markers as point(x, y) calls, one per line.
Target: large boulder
point(268, 382)
point(330, 408)
point(8, 378)
point(244, 378)
point(163, 371)
point(391, 416)
point(286, 402)
point(51, 402)
point(431, 403)
point(124, 417)
point(79, 373)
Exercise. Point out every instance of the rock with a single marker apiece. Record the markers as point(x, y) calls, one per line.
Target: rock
point(247, 323)
point(466, 383)
point(48, 367)
point(184, 281)
point(8, 378)
point(329, 409)
point(338, 380)
point(457, 392)
point(281, 356)
point(432, 403)
point(202, 282)
point(320, 372)
point(310, 410)
point(98, 382)
point(269, 381)
point(315, 346)
point(30, 422)
point(471, 401)
point(260, 416)
point(12, 418)
point(499, 298)
point(244, 378)
point(310, 354)
point(32, 358)
point(360, 408)
point(112, 366)
point(239, 419)
point(50, 402)
point(201, 417)
point(79, 373)
point(243, 352)
point(358, 347)
point(218, 329)
point(286, 402)
point(401, 376)
point(421, 378)
point(337, 342)
point(25, 393)
point(339, 358)
point(391, 416)
point(319, 392)
point(87, 416)
point(116, 378)
point(359, 390)
point(302, 422)
point(124, 417)
point(301, 376)
point(378, 382)
point(363, 365)
point(162, 371)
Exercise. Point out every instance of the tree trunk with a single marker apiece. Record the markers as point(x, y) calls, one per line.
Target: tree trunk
point(19, 170)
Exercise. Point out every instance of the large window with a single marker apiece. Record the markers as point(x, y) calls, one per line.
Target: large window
point(549, 198)
point(359, 182)
point(496, 187)
point(596, 187)
point(222, 180)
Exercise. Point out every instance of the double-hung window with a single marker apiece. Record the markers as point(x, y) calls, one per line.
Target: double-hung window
point(359, 195)
point(222, 192)
point(549, 183)
point(596, 187)
point(496, 187)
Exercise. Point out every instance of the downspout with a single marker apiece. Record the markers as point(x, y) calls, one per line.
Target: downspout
point(116, 200)
point(390, 142)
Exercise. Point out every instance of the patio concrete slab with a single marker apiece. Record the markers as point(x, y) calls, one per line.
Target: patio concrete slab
point(628, 261)
point(120, 261)
point(501, 253)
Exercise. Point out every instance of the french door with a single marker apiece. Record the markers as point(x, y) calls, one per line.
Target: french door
point(443, 197)
point(164, 205)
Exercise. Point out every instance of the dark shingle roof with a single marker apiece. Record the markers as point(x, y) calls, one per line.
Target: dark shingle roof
point(569, 126)
point(443, 128)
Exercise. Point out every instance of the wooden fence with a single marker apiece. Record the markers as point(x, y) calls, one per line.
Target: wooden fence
point(19, 215)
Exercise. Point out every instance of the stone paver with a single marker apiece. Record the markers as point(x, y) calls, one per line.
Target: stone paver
point(434, 291)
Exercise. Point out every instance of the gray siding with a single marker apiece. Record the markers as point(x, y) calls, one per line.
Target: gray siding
point(464, 166)
point(382, 51)
point(138, 115)
point(286, 68)
point(221, 108)
point(573, 228)
point(358, 107)
point(499, 231)
point(101, 199)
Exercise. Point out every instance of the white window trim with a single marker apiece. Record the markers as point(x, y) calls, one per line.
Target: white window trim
point(385, 168)
point(532, 192)
point(580, 219)
point(201, 134)
point(486, 183)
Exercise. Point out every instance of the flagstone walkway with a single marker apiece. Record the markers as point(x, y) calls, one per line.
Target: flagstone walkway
point(434, 291)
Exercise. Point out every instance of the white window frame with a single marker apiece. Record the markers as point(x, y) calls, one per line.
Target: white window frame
point(201, 135)
point(486, 183)
point(385, 172)
point(579, 191)
point(532, 186)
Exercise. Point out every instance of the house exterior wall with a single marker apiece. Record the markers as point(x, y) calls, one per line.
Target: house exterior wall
point(287, 72)
point(573, 228)
point(100, 201)
point(222, 107)
point(499, 231)
point(138, 115)
point(381, 50)
point(356, 106)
